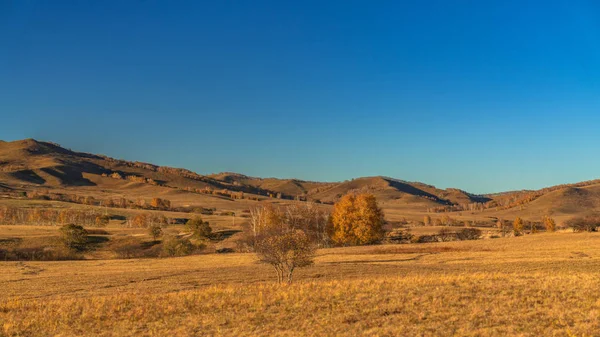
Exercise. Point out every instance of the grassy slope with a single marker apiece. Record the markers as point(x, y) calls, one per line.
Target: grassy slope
point(535, 285)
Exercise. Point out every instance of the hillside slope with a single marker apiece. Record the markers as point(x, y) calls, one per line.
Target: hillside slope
point(32, 164)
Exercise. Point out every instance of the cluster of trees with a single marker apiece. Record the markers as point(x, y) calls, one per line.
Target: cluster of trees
point(146, 220)
point(51, 217)
point(519, 226)
point(586, 223)
point(222, 192)
point(286, 237)
point(474, 206)
point(154, 204)
point(137, 179)
point(446, 220)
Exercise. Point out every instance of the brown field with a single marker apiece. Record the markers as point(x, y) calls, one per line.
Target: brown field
point(543, 284)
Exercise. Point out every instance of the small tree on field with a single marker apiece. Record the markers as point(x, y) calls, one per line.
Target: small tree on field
point(74, 236)
point(356, 220)
point(550, 224)
point(534, 229)
point(200, 229)
point(155, 232)
point(286, 237)
point(285, 250)
point(518, 226)
point(427, 220)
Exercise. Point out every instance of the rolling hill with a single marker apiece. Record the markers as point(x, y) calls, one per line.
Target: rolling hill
point(31, 165)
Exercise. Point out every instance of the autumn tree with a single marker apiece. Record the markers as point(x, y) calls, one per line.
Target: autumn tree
point(159, 203)
point(550, 224)
point(140, 220)
point(518, 226)
point(533, 227)
point(427, 220)
point(356, 220)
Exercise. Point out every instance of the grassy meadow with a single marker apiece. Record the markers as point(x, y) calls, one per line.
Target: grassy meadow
point(543, 284)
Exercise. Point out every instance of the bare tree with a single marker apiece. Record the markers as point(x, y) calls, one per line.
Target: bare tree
point(286, 238)
point(285, 250)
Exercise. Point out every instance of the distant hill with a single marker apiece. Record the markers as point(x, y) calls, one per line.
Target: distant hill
point(27, 165)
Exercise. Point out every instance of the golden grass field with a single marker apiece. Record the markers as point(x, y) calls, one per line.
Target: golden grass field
point(536, 285)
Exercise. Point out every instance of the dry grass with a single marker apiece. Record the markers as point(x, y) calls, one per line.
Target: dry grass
point(528, 286)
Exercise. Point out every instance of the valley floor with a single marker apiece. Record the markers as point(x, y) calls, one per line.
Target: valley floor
point(545, 284)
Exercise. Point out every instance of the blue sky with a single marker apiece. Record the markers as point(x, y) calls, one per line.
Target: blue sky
point(481, 95)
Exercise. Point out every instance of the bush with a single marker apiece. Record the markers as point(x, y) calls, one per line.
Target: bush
point(155, 232)
point(101, 220)
point(399, 236)
point(446, 235)
point(588, 223)
point(74, 236)
point(173, 246)
point(425, 239)
point(469, 234)
point(200, 229)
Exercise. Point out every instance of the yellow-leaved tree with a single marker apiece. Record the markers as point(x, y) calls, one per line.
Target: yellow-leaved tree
point(518, 226)
point(550, 224)
point(356, 220)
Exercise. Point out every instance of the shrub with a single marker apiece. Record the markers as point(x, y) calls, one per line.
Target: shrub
point(74, 236)
point(173, 246)
point(155, 232)
point(584, 224)
point(469, 234)
point(446, 235)
point(424, 239)
point(399, 236)
point(199, 229)
point(101, 220)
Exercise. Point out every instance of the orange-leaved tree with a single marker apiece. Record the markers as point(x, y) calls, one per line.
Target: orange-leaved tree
point(356, 220)
point(550, 224)
point(518, 226)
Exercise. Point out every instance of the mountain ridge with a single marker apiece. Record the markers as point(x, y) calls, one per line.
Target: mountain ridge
point(32, 164)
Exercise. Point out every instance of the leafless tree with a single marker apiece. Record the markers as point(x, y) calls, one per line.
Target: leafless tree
point(285, 250)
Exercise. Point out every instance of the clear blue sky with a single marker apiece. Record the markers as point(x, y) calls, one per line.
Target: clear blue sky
point(481, 95)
